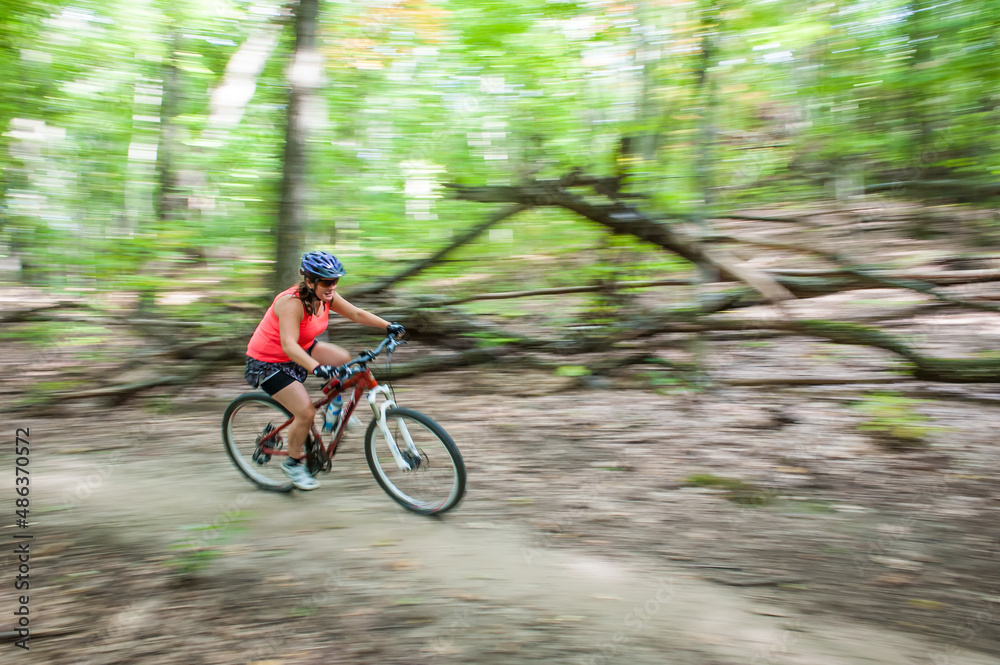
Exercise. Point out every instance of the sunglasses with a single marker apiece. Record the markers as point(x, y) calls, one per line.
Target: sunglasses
point(327, 283)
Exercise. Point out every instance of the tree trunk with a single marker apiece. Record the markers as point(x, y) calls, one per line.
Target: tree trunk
point(706, 93)
point(169, 201)
point(303, 78)
point(918, 95)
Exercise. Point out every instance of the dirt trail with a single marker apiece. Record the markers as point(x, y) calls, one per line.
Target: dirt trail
point(582, 538)
point(483, 588)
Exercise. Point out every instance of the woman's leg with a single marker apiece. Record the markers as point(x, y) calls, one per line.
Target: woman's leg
point(295, 398)
point(329, 354)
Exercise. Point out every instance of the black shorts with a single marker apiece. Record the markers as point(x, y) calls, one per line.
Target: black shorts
point(272, 377)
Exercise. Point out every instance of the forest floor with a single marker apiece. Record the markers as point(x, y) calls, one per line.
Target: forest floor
point(615, 519)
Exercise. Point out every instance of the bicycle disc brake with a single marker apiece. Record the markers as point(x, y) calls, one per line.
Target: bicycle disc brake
point(415, 461)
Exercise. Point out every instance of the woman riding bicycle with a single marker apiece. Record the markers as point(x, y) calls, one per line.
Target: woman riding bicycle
point(283, 349)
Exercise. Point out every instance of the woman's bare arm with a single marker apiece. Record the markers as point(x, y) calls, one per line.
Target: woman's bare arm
point(290, 312)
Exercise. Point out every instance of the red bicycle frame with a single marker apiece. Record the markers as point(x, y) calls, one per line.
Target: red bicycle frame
point(361, 381)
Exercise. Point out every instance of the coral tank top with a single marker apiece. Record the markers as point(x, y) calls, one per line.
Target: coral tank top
point(266, 341)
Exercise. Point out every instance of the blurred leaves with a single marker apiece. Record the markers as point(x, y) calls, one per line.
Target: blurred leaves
point(895, 418)
point(737, 491)
point(572, 370)
point(202, 544)
point(812, 104)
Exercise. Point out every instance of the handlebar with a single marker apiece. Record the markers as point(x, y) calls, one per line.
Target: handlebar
point(343, 372)
point(365, 357)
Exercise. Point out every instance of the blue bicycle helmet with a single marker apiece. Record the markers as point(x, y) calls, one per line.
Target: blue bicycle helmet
point(321, 265)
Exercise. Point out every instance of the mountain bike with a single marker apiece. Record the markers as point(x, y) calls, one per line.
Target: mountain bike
point(412, 458)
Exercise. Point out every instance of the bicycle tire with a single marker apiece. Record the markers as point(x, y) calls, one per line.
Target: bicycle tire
point(432, 433)
point(238, 449)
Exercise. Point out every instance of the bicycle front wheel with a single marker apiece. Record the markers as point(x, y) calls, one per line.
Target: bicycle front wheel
point(435, 481)
point(247, 419)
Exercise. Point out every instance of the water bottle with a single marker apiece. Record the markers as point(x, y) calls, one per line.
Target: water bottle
point(332, 413)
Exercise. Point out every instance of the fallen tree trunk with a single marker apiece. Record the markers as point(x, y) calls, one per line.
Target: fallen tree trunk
point(762, 218)
point(38, 313)
point(803, 283)
point(813, 381)
point(437, 363)
point(873, 277)
point(946, 370)
point(958, 190)
point(939, 277)
point(126, 389)
point(560, 290)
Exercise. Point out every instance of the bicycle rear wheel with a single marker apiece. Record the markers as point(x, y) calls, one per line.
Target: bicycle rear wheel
point(248, 418)
point(436, 481)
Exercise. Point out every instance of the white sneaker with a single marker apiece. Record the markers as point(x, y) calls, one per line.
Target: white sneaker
point(299, 475)
point(354, 422)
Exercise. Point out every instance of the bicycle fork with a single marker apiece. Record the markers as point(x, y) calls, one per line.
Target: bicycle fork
point(380, 420)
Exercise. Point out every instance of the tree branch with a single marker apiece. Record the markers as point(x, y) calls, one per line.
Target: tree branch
point(626, 219)
point(423, 264)
point(868, 276)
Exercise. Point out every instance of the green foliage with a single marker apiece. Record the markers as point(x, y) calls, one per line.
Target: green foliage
point(45, 392)
point(572, 370)
point(45, 334)
point(665, 382)
point(894, 417)
point(489, 23)
point(737, 491)
point(159, 405)
point(808, 104)
point(36, 333)
point(488, 339)
point(813, 507)
point(202, 544)
point(713, 481)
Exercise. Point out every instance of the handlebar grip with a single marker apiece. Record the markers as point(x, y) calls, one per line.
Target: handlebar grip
point(372, 354)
